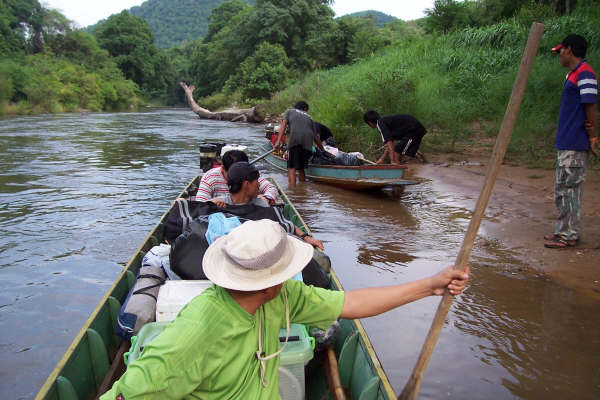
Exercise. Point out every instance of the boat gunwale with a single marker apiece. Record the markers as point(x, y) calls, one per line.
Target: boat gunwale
point(44, 390)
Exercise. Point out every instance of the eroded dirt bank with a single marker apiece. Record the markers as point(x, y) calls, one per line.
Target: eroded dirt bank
point(521, 211)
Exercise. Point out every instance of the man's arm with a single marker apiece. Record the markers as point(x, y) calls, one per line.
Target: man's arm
point(389, 150)
point(368, 302)
point(268, 190)
point(318, 142)
point(281, 131)
point(309, 239)
point(591, 126)
point(219, 202)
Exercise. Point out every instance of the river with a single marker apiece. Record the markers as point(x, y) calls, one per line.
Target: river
point(80, 192)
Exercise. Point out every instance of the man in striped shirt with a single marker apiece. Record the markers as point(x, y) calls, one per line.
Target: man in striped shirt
point(575, 138)
point(214, 182)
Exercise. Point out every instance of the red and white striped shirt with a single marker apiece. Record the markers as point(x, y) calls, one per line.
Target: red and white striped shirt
point(213, 184)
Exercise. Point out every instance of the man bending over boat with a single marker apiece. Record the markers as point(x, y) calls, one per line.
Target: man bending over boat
point(242, 180)
point(214, 181)
point(403, 128)
point(323, 135)
point(224, 343)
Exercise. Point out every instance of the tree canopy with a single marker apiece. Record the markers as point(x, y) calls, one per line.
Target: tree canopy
point(129, 40)
point(177, 21)
point(380, 18)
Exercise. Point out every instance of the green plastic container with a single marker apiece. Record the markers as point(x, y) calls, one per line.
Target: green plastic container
point(292, 361)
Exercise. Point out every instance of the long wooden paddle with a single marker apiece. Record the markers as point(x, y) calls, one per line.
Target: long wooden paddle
point(367, 161)
point(262, 156)
point(535, 35)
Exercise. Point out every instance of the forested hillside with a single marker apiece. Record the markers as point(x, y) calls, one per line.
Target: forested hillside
point(380, 18)
point(174, 22)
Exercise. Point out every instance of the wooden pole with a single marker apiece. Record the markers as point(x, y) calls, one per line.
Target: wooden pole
point(411, 389)
point(367, 161)
point(262, 156)
point(337, 389)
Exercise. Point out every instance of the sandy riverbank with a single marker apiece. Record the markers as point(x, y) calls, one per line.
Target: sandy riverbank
point(521, 211)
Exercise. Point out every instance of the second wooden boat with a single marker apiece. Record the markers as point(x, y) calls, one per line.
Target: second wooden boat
point(362, 177)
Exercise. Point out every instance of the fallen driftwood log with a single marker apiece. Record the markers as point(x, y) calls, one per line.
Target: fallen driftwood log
point(254, 114)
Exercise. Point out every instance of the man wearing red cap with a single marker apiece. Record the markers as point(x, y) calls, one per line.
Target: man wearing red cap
point(575, 137)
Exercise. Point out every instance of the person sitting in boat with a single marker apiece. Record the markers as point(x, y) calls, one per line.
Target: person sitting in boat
point(299, 142)
point(242, 180)
point(405, 129)
point(214, 181)
point(323, 135)
point(224, 343)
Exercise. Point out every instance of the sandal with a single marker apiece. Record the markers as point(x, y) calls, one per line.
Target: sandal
point(557, 242)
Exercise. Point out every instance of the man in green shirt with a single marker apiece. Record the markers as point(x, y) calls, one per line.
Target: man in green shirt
point(225, 343)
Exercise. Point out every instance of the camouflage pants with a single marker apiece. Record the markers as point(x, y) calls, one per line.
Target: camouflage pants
point(568, 191)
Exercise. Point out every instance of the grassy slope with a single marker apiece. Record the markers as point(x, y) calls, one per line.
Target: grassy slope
point(458, 85)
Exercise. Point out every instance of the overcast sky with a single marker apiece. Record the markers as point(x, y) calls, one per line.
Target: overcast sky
point(88, 12)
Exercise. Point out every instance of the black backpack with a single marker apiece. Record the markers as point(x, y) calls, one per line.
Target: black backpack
point(183, 212)
point(188, 249)
point(181, 215)
point(189, 246)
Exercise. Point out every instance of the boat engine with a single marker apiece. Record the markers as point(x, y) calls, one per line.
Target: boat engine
point(210, 155)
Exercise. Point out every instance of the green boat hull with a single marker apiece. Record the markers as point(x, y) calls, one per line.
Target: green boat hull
point(94, 359)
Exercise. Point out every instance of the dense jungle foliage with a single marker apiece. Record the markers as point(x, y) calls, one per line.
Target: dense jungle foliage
point(453, 69)
point(47, 66)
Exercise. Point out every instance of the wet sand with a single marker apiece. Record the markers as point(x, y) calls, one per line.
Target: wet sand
point(521, 211)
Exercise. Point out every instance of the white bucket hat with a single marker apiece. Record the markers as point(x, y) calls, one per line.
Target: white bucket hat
point(254, 256)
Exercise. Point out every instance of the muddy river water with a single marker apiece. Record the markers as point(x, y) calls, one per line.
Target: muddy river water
point(80, 192)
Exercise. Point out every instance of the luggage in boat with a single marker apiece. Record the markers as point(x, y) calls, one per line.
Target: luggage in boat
point(320, 157)
point(314, 275)
point(139, 306)
point(183, 212)
point(347, 159)
point(174, 295)
point(181, 215)
point(187, 252)
point(188, 249)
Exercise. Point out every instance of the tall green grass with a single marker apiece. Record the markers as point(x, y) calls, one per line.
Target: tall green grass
point(450, 83)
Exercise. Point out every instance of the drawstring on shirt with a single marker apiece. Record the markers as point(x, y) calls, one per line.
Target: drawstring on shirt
point(259, 353)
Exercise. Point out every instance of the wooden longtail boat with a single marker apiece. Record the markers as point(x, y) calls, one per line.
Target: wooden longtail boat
point(361, 177)
point(94, 360)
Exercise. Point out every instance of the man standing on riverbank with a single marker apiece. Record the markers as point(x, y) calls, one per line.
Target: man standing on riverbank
point(299, 142)
point(575, 137)
point(406, 129)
